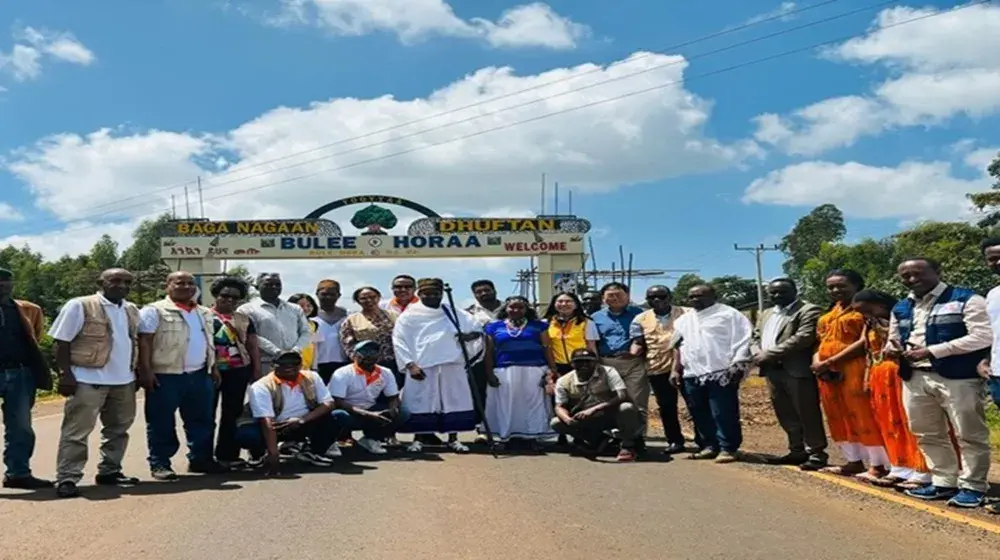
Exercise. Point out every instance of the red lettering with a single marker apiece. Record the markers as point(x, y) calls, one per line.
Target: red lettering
point(537, 247)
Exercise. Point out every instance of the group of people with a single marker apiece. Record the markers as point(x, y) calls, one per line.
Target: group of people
point(901, 382)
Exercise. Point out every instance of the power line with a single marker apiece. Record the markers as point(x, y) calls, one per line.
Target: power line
point(758, 251)
point(569, 109)
point(722, 33)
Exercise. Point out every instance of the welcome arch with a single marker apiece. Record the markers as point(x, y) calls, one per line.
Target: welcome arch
point(557, 242)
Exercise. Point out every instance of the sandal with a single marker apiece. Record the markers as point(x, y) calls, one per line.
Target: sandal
point(888, 481)
point(841, 471)
point(868, 477)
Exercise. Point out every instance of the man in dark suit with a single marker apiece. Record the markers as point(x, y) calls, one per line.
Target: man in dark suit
point(785, 341)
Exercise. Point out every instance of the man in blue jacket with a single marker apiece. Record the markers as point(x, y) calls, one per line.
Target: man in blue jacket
point(942, 332)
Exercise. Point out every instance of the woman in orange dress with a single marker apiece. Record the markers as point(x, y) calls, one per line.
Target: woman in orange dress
point(840, 365)
point(885, 388)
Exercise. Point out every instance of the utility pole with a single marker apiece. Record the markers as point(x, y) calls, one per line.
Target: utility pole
point(757, 252)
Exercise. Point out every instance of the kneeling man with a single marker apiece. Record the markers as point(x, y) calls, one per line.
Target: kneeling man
point(288, 404)
point(356, 390)
point(591, 400)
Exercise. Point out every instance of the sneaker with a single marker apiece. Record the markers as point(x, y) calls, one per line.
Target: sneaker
point(115, 479)
point(67, 489)
point(164, 474)
point(372, 446)
point(392, 442)
point(726, 457)
point(626, 456)
point(931, 492)
point(334, 451)
point(26, 483)
point(415, 447)
point(967, 499)
point(289, 449)
point(314, 459)
point(255, 462)
point(235, 464)
point(458, 447)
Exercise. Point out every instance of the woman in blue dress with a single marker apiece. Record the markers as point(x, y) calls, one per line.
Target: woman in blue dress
point(523, 374)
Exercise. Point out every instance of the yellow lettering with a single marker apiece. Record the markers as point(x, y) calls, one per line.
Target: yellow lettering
point(447, 226)
point(547, 224)
point(183, 229)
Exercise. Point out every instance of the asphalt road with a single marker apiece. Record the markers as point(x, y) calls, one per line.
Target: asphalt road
point(471, 507)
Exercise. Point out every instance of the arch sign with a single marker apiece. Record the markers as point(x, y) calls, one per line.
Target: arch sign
point(432, 236)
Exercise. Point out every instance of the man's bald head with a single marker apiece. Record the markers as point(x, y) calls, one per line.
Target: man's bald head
point(115, 284)
point(181, 287)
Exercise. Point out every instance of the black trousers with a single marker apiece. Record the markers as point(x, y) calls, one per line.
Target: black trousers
point(326, 370)
point(666, 399)
point(796, 404)
point(320, 432)
point(479, 390)
point(230, 396)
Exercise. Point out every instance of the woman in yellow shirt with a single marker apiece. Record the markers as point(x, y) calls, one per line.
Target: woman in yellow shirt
point(309, 307)
point(569, 329)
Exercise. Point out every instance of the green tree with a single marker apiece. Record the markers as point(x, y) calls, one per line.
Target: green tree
point(955, 245)
point(735, 291)
point(142, 258)
point(989, 201)
point(104, 254)
point(825, 224)
point(685, 283)
point(874, 259)
point(374, 219)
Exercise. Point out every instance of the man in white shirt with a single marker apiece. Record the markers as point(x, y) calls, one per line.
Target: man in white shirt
point(96, 347)
point(330, 355)
point(288, 404)
point(177, 370)
point(713, 352)
point(989, 368)
point(437, 395)
point(356, 389)
point(280, 325)
point(484, 312)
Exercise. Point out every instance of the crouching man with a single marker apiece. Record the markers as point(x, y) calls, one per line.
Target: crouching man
point(592, 400)
point(288, 404)
point(356, 390)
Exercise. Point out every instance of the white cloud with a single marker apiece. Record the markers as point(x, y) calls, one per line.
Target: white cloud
point(597, 149)
point(940, 67)
point(912, 190)
point(529, 25)
point(981, 158)
point(635, 139)
point(783, 12)
point(33, 46)
point(10, 214)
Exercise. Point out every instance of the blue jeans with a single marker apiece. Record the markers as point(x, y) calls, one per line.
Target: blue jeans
point(347, 423)
point(715, 410)
point(993, 383)
point(194, 395)
point(320, 432)
point(17, 389)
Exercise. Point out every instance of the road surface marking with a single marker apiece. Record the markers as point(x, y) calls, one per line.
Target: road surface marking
point(903, 501)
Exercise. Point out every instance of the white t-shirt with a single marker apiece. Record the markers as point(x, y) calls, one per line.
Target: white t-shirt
point(118, 370)
point(993, 310)
point(197, 346)
point(348, 385)
point(328, 348)
point(294, 405)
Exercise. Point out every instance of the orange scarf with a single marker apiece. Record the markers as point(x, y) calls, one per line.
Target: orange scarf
point(292, 383)
point(395, 303)
point(370, 376)
point(186, 306)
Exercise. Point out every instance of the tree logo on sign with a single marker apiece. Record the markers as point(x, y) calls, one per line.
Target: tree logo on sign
point(374, 220)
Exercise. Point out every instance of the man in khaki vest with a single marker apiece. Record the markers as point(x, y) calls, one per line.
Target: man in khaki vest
point(289, 404)
point(96, 352)
point(22, 372)
point(177, 370)
point(654, 329)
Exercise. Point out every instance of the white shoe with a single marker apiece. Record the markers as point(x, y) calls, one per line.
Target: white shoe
point(458, 447)
point(314, 459)
point(334, 451)
point(372, 446)
point(415, 447)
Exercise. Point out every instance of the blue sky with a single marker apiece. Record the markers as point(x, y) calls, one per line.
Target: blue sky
point(193, 87)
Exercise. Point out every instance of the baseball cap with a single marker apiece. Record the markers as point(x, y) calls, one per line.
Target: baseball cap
point(367, 348)
point(583, 354)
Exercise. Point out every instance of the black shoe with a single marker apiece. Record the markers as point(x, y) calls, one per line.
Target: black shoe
point(674, 448)
point(789, 459)
point(207, 467)
point(115, 479)
point(430, 439)
point(26, 483)
point(67, 489)
point(814, 463)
